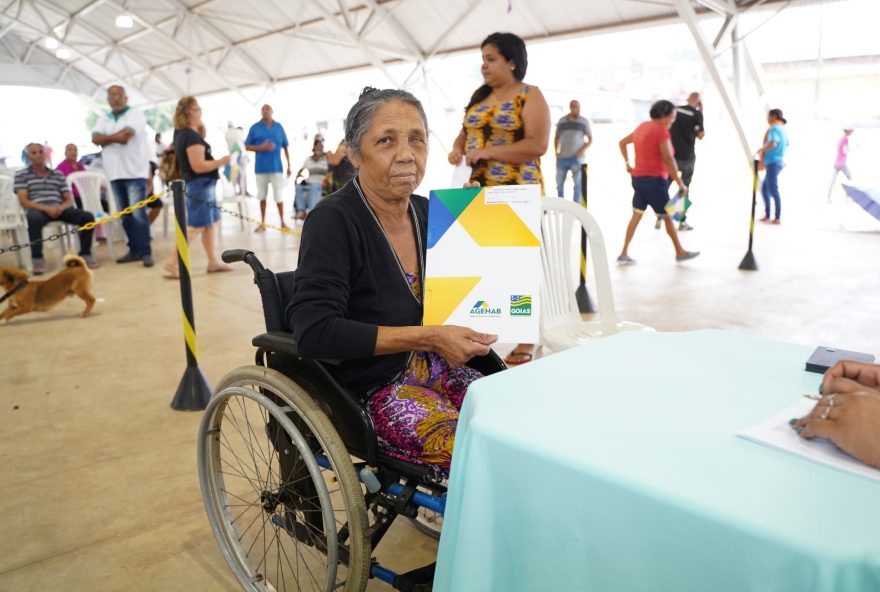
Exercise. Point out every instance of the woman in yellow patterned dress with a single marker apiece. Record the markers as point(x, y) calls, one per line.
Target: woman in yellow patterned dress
point(506, 129)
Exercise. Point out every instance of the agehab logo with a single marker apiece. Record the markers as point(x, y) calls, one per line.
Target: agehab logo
point(521, 305)
point(482, 309)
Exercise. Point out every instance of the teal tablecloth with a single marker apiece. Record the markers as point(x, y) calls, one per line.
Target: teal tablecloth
point(614, 467)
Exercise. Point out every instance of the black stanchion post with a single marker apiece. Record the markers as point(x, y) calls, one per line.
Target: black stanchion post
point(193, 392)
point(748, 263)
point(582, 295)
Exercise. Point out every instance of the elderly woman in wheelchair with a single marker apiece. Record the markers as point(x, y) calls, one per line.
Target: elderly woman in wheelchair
point(304, 464)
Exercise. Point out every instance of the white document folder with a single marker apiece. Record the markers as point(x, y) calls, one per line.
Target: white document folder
point(484, 260)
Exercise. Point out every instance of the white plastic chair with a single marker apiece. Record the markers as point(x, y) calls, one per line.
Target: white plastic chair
point(561, 324)
point(13, 222)
point(89, 184)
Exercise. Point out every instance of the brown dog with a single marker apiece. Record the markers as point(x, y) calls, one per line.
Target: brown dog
point(40, 296)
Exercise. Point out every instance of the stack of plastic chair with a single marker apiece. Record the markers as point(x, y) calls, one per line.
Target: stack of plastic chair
point(13, 222)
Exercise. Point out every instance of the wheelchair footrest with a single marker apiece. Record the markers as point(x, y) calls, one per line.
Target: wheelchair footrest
point(417, 580)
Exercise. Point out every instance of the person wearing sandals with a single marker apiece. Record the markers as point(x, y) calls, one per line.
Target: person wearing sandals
point(651, 175)
point(200, 174)
point(506, 129)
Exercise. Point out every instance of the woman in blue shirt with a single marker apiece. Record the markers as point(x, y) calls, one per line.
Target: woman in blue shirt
point(772, 154)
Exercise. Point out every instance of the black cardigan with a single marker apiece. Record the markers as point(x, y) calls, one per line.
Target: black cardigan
point(348, 282)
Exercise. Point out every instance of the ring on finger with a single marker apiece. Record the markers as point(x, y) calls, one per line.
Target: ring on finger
point(831, 400)
point(825, 413)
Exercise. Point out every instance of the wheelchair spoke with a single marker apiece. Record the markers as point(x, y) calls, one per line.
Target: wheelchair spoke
point(251, 435)
point(272, 446)
point(279, 567)
point(283, 551)
point(233, 471)
point(241, 499)
point(269, 500)
point(306, 565)
point(241, 465)
point(261, 532)
point(249, 445)
point(244, 532)
point(253, 438)
point(247, 507)
point(242, 469)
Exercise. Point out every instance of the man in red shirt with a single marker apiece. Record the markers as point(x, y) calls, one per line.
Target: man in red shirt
point(650, 177)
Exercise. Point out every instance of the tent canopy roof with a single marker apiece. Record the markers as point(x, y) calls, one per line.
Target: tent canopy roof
point(179, 47)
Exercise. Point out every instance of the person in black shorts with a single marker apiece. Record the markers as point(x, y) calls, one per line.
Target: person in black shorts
point(650, 176)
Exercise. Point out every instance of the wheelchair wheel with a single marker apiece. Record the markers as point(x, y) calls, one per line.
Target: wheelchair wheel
point(279, 487)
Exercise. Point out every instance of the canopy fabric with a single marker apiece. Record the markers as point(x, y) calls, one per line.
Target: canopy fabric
point(178, 47)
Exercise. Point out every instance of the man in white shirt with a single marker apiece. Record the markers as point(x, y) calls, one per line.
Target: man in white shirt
point(125, 155)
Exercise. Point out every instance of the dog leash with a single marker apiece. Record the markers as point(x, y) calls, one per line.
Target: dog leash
point(12, 292)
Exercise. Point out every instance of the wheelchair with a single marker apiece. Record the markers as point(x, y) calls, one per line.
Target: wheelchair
point(295, 488)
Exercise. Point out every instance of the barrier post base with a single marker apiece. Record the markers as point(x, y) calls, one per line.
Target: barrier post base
point(193, 392)
point(749, 263)
point(584, 302)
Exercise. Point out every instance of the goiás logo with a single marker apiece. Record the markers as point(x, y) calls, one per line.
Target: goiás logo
point(521, 305)
point(482, 309)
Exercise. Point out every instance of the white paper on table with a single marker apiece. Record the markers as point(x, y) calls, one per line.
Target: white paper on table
point(461, 174)
point(484, 261)
point(776, 432)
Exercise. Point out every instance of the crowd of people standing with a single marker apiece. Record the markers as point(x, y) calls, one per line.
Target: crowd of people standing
point(504, 134)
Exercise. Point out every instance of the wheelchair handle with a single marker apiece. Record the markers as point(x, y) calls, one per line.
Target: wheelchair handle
point(236, 255)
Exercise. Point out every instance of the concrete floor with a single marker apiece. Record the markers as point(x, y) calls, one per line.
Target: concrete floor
point(100, 490)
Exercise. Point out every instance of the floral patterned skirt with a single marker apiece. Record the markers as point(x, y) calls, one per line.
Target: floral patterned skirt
point(416, 416)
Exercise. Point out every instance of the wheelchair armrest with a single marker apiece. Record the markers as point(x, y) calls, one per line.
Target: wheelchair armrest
point(488, 364)
point(277, 341)
point(283, 343)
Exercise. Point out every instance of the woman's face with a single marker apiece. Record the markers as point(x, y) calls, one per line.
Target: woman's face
point(496, 69)
point(391, 162)
point(195, 115)
point(71, 153)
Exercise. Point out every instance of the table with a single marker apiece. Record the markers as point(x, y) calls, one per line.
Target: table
point(614, 467)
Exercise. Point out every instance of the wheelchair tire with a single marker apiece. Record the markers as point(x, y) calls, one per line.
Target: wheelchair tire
point(282, 520)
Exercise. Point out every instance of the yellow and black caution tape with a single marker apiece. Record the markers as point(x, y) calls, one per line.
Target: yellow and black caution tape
point(124, 212)
point(142, 203)
point(88, 225)
point(235, 214)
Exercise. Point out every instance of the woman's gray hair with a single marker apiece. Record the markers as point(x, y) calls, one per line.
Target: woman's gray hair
point(361, 114)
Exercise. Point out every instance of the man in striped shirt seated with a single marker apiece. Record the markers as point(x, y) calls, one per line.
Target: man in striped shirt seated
point(44, 195)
